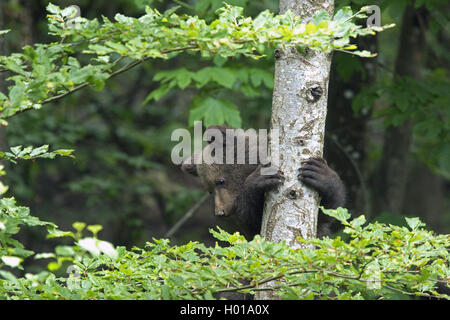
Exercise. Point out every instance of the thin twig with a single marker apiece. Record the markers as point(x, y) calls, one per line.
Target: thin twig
point(59, 96)
point(357, 171)
point(336, 274)
point(252, 286)
point(411, 293)
point(187, 215)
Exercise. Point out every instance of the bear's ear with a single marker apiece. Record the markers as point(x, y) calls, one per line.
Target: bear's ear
point(189, 166)
point(223, 130)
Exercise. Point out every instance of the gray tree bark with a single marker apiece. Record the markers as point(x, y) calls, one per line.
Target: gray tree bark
point(299, 109)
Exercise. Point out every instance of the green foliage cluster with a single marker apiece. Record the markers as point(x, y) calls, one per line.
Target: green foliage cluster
point(213, 110)
point(47, 72)
point(85, 53)
point(426, 102)
point(12, 218)
point(374, 261)
point(377, 261)
point(30, 153)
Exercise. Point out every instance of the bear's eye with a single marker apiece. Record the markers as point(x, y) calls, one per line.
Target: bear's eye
point(220, 182)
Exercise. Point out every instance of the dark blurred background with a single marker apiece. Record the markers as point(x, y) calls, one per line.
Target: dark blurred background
point(123, 178)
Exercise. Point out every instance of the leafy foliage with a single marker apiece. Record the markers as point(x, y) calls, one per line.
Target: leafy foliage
point(30, 153)
point(221, 76)
point(12, 217)
point(426, 102)
point(377, 262)
point(214, 111)
point(211, 110)
point(47, 72)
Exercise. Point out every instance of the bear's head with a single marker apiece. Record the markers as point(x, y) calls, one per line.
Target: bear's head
point(223, 176)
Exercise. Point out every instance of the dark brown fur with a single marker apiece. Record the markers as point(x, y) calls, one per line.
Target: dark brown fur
point(239, 189)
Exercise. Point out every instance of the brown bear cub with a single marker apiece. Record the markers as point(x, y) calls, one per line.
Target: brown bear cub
point(238, 189)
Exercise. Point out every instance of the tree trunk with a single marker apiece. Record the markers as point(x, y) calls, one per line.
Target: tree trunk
point(299, 109)
point(392, 174)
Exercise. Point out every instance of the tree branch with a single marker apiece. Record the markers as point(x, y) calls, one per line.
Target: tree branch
point(186, 216)
point(357, 171)
point(335, 274)
point(113, 74)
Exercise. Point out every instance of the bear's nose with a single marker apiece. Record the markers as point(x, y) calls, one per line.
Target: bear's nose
point(220, 213)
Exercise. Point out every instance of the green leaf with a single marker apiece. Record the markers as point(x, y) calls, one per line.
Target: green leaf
point(53, 266)
point(99, 49)
point(257, 76)
point(69, 12)
point(310, 28)
point(203, 76)
point(79, 226)
point(157, 94)
point(53, 9)
point(40, 150)
point(343, 14)
point(55, 233)
point(224, 77)
point(364, 54)
point(96, 228)
point(44, 255)
point(65, 152)
point(183, 78)
point(17, 95)
point(16, 150)
point(64, 251)
point(214, 111)
point(358, 222)
point(118, 47)
point(340, 214)
point(219, 60)
point(414, 223)
point(97, 84)
point(8, 276)
point(321, 16)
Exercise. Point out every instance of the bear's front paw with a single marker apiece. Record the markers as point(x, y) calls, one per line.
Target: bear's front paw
point(264, 182)
point(316, 174)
